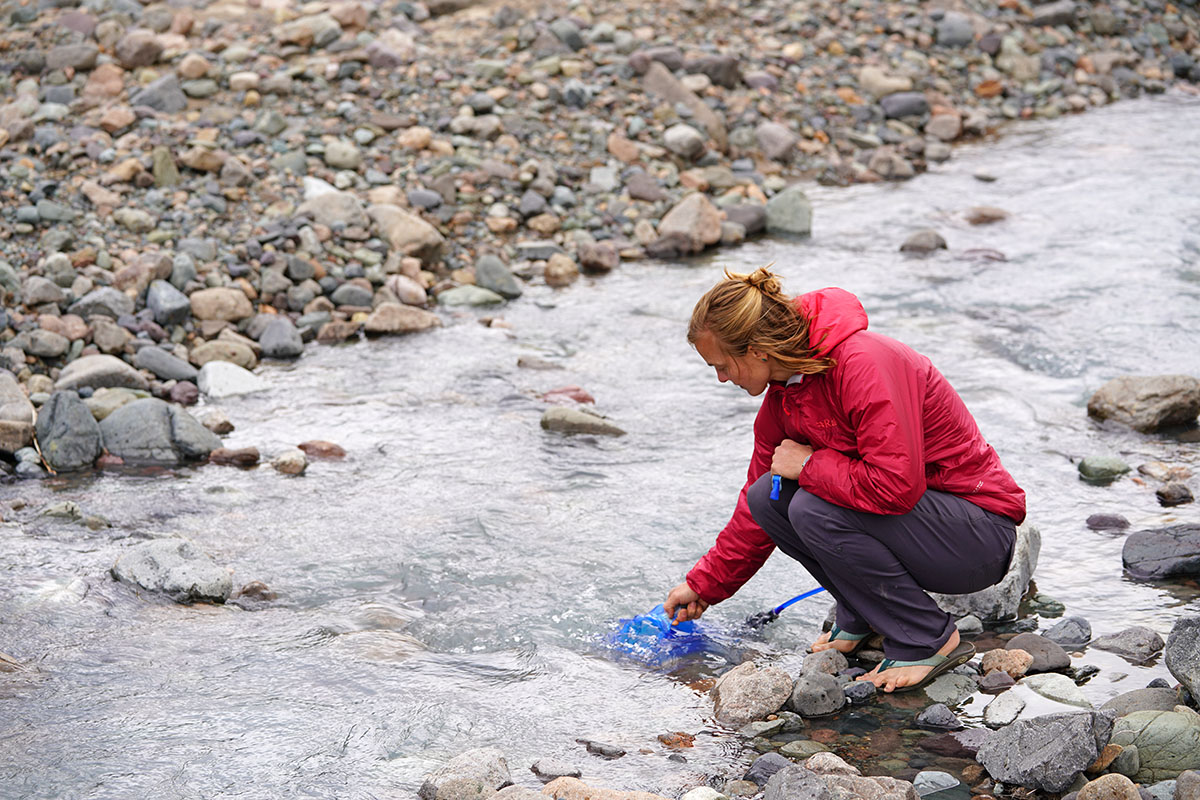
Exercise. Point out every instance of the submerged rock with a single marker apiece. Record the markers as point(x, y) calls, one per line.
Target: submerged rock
point(1163, 552)
point(175, 567)
point(1138, 644)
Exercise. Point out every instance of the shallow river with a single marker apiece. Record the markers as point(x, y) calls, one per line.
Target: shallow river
point(446, 585)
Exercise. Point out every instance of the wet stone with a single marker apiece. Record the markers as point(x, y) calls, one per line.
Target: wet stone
point(939, 717)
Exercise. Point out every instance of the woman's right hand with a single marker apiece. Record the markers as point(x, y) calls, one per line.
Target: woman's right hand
point(683, 604)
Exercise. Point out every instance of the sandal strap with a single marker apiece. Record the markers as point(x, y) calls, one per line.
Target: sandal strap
point(837, 634)
point(932, 661)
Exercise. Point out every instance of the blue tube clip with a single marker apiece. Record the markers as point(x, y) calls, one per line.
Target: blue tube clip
point(776, 484)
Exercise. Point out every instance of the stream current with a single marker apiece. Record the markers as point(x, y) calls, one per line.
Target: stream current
point(447, 584)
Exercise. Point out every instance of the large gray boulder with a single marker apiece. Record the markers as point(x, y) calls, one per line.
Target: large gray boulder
point(151, 431)
point(1000, 602)
point(1148, 403)
point(746, 693)
point(1046, 753)
point(100, 371)
point(1137, 644)
point(485, 769)
point(16, 415)
point(68, 434)
point(1167, 742)
point(1163, 552)
point(1183, 653)
point(175, 567)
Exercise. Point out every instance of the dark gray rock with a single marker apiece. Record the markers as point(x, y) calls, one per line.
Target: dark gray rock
point(859, 692)
point(1048, 656)
point(602, 749)
point(830, 662)
point(280, 339)
point(531, 204)
point(548, 769)
point(795, 782)
point(645, 187)
point(169, 305)
point(1107, 522)
point(150, 431)
point(1046, 753)
point(106, 300)
point(80, 56)
point(904, 104)
point(1163, 552)
point(1138, 643)
point(175, 567)
point(67, 433)
point(939, 717)
point(491, 273)
point(163, 95)
point(164, 365)
point(816, 694)
point(1070, 632)
point(764, 767)
point(1183, 653)
point(1174, 494)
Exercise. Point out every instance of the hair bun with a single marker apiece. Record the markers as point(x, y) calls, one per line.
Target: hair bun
point(764, 280)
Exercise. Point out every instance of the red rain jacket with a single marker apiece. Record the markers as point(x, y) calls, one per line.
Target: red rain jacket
point(884, 426)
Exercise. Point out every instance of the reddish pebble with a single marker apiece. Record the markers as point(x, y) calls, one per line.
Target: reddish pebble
point(321, 449)
point(234, 457)
point(109, 460)
point(565, 395)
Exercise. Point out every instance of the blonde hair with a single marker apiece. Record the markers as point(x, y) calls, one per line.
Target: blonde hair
point(745, 311)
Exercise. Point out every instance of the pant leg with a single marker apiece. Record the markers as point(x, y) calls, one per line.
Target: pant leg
point(880, 566)
point(772, 517)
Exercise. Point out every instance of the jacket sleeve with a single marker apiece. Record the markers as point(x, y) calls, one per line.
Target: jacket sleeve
point(742, 547)
point(882, 399)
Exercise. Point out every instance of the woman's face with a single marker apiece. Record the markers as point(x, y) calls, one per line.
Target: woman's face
point(748, 371)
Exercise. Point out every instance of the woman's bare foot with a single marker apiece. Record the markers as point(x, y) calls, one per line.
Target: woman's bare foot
point(893, 679)
point(841, 645)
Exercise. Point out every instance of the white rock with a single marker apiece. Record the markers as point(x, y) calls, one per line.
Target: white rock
point(222, 379)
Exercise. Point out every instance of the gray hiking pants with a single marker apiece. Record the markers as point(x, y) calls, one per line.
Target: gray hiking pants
point(879, 567)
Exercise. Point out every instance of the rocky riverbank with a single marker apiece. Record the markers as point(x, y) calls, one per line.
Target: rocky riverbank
point(230, 181)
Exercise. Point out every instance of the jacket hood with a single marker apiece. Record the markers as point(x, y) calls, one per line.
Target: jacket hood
point(833, 315)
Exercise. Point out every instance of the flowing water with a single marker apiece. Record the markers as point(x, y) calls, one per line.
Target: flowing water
point(448, 585)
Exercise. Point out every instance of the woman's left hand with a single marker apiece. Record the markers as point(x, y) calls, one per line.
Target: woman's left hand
point(789, 459)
